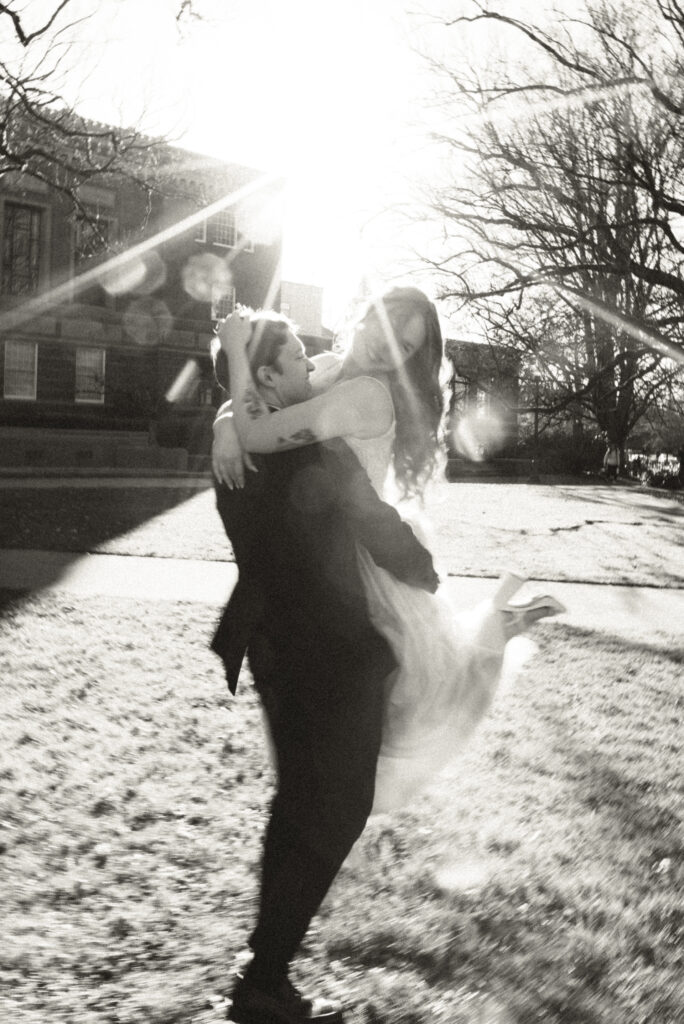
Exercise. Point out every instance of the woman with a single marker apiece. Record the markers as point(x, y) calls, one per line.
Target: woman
point(385, 399)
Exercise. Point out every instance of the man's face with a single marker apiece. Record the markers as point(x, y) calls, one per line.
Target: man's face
point(290, 376)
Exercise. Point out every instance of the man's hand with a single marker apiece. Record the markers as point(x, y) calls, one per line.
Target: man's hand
point(228, 460)
point(235, 331)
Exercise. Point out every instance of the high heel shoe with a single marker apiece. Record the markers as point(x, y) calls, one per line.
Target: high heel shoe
point(519, 617)
point(509, 584)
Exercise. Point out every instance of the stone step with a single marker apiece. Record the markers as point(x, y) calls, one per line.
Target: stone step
point(88, 449)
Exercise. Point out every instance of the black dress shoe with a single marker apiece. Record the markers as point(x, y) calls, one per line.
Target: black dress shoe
point(283, 1006)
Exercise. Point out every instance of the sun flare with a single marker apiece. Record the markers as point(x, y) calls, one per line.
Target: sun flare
point(316, 94)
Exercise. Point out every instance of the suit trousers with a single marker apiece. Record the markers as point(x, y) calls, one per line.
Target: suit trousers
point(326, 733)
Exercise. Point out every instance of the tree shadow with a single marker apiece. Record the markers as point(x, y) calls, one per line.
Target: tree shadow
point(623, 797)
point(661, 530)
point(627, 498)
point(624, 790)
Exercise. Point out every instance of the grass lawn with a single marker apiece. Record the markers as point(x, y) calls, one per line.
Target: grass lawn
point(540, 882)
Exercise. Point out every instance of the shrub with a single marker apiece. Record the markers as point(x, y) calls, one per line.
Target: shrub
point(559, 452)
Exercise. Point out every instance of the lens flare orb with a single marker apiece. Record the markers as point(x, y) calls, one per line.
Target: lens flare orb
point(206, 276)
point(476, 436)
point(124, 278)
point(154, 273)
point(147, 321)
point(141, 274)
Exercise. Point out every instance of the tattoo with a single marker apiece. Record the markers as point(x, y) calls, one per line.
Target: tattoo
point(303, 436)
point(253, 403)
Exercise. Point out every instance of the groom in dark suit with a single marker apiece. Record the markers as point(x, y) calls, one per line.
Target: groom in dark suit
point(300, 613)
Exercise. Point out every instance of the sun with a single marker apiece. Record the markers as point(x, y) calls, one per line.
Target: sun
point(317, 93)
point(319, 99)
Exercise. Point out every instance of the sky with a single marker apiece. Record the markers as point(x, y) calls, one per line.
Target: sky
point(327, 94)
point(333, 96)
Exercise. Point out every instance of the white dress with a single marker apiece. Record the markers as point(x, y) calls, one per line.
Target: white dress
point(449, 664)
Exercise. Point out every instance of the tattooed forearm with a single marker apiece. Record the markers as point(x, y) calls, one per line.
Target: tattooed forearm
point(253, 403)
point(303, 436)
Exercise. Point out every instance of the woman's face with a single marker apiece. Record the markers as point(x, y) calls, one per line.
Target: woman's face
point(386, 336)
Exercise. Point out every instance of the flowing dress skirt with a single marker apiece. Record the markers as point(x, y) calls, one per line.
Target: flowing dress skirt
point(450, 665)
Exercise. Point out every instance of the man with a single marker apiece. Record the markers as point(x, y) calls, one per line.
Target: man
point(299, 610)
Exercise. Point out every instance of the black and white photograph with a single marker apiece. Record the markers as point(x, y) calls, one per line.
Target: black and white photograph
point(341, 509)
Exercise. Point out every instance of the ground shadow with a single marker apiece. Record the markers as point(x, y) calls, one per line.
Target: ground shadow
point(80, 519)
point(626, 793)
point(11, 601)
point(629, 497)
point(632, 799)
point(640, 510)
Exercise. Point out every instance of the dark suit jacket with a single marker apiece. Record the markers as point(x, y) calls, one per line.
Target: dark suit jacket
point(294, 529)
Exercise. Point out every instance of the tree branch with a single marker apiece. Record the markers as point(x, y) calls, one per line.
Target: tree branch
point(26, 38)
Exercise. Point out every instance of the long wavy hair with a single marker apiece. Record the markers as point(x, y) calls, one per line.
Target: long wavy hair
point(416, 391)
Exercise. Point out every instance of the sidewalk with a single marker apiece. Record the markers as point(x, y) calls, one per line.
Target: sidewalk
point(623, 611)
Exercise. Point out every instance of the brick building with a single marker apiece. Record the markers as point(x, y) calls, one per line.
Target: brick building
point(90, 371)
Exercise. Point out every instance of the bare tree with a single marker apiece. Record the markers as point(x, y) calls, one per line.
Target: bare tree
point(40, 135)
point(561, 224)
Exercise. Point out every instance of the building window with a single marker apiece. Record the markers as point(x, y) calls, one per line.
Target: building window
point(459, 393)
point(90, 375)
point(21, 366)
point(21, 248)
point(222, 229)
point(205, 392)
point(223, 304)
point(483, 401)
point(93, 234)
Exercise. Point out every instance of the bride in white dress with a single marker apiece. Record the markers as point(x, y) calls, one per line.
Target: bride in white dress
point(385, 399)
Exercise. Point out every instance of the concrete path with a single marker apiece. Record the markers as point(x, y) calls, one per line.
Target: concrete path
point(153, 579)
point(625, 611)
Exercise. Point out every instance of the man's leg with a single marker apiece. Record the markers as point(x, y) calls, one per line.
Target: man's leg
point(327, 754)
point(327, 742)
point(295, 881)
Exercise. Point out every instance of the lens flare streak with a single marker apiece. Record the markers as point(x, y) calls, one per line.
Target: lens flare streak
point(184, 383)
point(646, 336)
point(572, 101)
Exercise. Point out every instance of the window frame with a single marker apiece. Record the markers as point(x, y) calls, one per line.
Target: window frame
point(21, 344)
point(41, 212)
point(241, 242)
point(213, 226)
point(96, 212)
point(482, 400)
point(216, 313)
point(102, 353)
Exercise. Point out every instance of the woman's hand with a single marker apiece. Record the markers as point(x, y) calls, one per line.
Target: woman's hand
point(234, 331)
point(228, 460)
